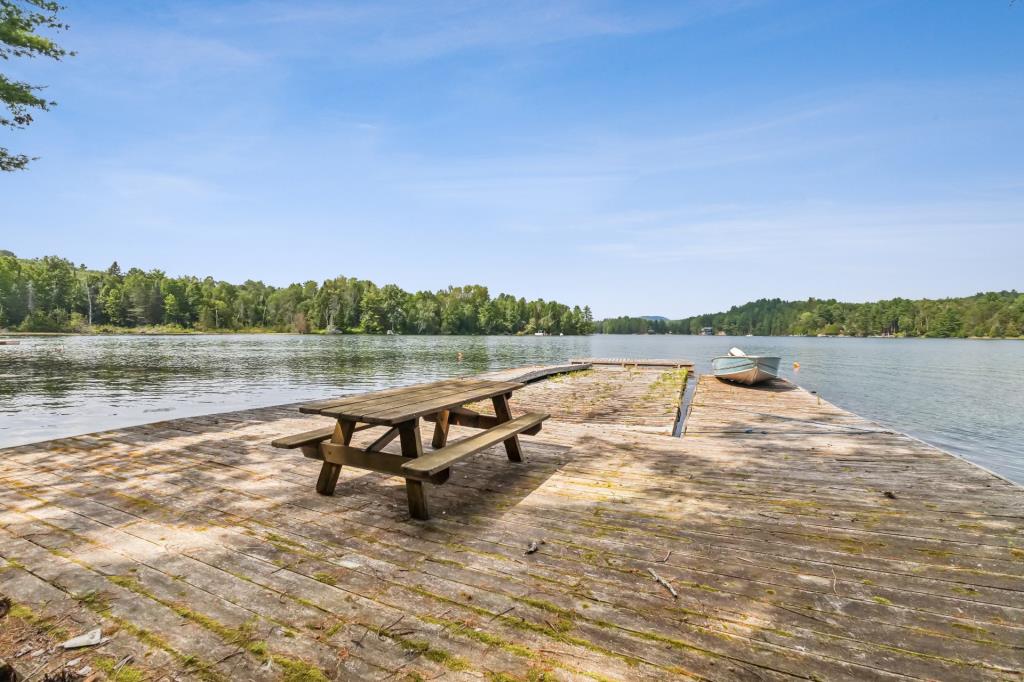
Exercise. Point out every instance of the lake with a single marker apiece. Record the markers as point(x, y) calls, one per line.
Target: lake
point(961, 395)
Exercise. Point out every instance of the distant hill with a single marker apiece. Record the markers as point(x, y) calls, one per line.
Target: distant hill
point(654, 318)
point(989, 314)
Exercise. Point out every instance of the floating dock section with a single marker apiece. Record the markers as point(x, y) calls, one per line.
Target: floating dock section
point(780, 538)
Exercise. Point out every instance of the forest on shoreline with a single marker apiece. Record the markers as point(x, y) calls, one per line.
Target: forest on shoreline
point(51, 294)
point(995, 314)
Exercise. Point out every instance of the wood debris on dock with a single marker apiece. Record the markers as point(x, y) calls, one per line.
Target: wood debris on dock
point(203, 553)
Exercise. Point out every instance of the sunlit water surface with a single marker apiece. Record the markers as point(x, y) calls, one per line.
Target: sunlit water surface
point(963, 396)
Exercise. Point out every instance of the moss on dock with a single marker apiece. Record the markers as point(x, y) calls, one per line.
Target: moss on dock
point(193, 541)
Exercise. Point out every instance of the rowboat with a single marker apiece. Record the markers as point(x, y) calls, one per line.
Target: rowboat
point(745, 369)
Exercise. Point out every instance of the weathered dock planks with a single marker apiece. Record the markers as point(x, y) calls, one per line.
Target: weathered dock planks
point(633, 362)
point(802, 542)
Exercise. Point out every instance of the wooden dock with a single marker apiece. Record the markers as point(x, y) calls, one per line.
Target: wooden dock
point(633, 362)
point(781, 538)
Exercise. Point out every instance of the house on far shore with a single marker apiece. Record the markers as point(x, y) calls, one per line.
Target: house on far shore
point(707, 331)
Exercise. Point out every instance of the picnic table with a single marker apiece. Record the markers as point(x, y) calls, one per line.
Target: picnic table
point(399, 411)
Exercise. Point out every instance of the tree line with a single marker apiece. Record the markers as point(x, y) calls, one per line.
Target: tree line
point(991, 314)
point(51, 294)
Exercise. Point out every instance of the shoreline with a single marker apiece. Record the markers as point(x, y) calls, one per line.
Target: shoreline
point(231, 332)
point(236, 332)
point(129, 332)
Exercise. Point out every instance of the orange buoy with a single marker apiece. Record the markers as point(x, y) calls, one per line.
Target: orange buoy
point(796, 365)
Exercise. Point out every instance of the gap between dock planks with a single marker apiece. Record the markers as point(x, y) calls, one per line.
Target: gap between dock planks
point(192, 540)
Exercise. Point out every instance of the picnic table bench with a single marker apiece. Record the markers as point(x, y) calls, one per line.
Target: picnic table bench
point(399, 411)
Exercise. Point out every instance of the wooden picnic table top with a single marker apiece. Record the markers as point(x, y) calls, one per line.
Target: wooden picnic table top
point(396, 405)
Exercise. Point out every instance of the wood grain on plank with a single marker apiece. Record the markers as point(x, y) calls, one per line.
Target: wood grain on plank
point(788, 558)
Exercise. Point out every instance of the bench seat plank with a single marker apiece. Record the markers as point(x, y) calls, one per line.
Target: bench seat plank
point(304, 438)
point(381, 462)
point(442, 459)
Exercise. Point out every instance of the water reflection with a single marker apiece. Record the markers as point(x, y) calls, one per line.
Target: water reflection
point(961, 395)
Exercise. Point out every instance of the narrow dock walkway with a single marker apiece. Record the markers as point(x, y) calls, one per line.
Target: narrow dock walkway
point(800, 541)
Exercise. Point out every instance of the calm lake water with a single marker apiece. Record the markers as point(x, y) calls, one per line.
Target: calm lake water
point(963, 396)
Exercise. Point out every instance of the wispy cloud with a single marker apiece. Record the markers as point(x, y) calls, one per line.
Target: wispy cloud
point(830, 228)
point(404, 31)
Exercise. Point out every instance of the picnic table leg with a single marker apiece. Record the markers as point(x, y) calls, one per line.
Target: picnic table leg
point(329, 472)
point(504, 414)
point(441, 430)
point(412, 446)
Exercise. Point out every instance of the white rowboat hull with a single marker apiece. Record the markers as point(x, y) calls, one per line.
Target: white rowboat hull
point(748, 369)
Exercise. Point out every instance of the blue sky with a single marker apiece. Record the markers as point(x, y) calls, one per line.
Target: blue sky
point(646, 158)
